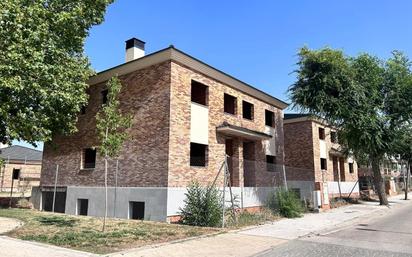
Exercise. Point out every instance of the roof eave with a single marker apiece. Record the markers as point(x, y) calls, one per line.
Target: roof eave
point(180, 57)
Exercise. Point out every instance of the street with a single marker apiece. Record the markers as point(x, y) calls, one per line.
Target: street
point(389, 234)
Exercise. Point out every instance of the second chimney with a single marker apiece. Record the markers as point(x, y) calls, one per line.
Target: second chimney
point(134, 49)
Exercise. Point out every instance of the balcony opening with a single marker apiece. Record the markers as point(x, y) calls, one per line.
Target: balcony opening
point(249, 162)
point(247, 110)
point(199, 93)
point(230, 104)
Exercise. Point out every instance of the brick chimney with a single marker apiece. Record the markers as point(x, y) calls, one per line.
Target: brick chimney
point(134, 49)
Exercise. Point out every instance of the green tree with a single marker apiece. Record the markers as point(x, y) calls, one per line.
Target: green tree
point(43, 70)
point(366, 98)
point(111, 127)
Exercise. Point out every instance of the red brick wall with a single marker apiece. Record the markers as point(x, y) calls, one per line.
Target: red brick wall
point(144, 157)
point(180, 172)
point(299, 151)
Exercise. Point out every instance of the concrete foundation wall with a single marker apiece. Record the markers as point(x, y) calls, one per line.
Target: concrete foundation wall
point(35, 198)
point(153, 197)
point(306, 188)
point(245, 196)
point(345, 187)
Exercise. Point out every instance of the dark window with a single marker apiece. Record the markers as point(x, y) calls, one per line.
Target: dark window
point(105, 93)
point(83, 110)
point(199, 93)
point(269, 118)
point(270, 163)
point(198, 154)
point(136, 210)
point(321, 133)
point(89, 158)
point(16, 173)
point(333, 137)
point(82, 206)
point(247, 110)
point(297, 192)
point(230, 104)
point(60, 202)
point(323, 164)
point(351, 168)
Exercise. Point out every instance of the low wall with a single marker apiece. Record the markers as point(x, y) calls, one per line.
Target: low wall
point(245, 197)
point(345, 187)
point(153, 197)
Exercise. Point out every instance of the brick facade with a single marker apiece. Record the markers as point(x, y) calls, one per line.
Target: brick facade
point(180, 172)
point(302, 154)
point(143, 160)
point(29, 176)
point(157, 151)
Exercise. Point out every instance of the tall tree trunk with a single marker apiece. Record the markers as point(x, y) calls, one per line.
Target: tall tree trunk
point(405, 181)
point(378, 181)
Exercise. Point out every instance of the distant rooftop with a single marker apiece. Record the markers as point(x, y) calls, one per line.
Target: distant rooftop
point(289, 116)
point(21, 153)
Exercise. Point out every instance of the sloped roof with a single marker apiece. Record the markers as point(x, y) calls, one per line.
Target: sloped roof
point(174, 54)
point(17, 152)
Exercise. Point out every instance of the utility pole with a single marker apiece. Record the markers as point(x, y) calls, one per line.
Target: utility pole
point(55, 187)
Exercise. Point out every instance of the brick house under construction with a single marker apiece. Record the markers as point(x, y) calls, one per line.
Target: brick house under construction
point(314, 160)
point(20, 170)
point(187, 116)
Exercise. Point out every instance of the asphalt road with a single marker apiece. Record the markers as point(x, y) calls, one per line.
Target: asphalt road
point(388, 235)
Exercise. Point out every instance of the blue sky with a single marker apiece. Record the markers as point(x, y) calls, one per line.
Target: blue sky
point(255, 41)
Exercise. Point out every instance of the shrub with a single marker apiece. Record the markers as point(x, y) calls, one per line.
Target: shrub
point(202, 206)
point(286, 203)
point(24, 204)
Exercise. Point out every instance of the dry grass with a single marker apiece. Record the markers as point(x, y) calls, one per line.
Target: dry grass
point(84, 233)
point(245, 218)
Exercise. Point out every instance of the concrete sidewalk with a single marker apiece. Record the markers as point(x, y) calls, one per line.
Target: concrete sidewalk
point(312, 223)
point(251, 241)
point(247, 242)
point(229, 244)
point(11, 247)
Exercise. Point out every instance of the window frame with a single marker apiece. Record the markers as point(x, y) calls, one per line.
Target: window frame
point(334, 137)
point(200, 86)
point(230, 97)
point(272, 115)
point(105, 94)
point(83, 165)
point(325, 163)
point(322, 136)
point(193, 159)
point(252, 110)
point(271, 165)
point(351, 168)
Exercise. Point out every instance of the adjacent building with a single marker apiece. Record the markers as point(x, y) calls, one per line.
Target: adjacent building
point(20, 170)
point(187, 118)
point(315, 162)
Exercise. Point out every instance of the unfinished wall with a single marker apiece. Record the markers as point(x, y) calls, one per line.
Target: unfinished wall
point(180, 171)
point(144, 156)
point(29, 176)
point(299, 151)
